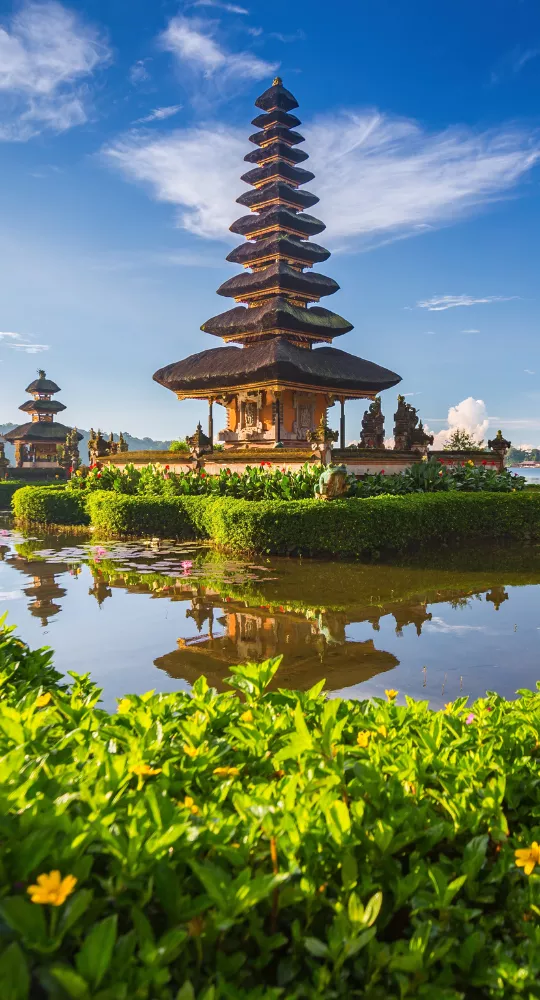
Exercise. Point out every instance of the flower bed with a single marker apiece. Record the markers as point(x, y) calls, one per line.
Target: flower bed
point(272, 845)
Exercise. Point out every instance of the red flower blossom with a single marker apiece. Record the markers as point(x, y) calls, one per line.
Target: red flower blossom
point(203, 475)
point(484, 462)
point(99, 475)
point(167, 467)
point(382, 472)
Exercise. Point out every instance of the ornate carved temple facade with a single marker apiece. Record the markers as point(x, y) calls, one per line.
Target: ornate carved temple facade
point(278, 374)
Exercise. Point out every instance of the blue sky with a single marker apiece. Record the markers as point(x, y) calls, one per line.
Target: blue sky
point(122, 132)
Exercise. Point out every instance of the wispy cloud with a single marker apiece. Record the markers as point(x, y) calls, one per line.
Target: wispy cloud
point(441, 302)
point(138, 72)
point(470, 331)
point(192, 43)
point(20, 342)
point(513, 62)
point(159, 114)
point(230, 8)
point(379, 178)
point(529, 372)
point(46, 52)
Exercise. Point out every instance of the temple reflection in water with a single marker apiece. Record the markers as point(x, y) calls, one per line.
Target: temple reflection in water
point(258, 612)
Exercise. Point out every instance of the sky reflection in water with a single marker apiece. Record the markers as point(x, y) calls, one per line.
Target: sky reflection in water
point(139, 616)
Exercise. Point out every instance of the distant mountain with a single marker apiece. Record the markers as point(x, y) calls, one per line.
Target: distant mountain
point(135, 443)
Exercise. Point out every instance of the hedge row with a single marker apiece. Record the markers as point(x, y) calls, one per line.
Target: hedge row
point(9, 486)
point(264, 846)
point(49, 505)
point(341, 527)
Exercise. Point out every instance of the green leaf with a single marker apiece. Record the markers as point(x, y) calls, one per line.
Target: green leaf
point(26, 918)
point(360, 942)
point(373, 909)
point(94, 958)
point(339, 820)
point(349, 870)
point(74, 908)
point(14, 975)
point(71, 982)
point(186, 992)
point(316, 947)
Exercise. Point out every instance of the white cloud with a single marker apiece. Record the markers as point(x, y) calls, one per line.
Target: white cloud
point(439, 625)
point(470, 415)
point(190, 40)
point(379, 178)
point(138, 72)
point(441, 302)
point(30, 348)
point(470, 331)
point(159, 114)
point(15, 336)
point(45, 53)
point(529, 372)
point(230, 8)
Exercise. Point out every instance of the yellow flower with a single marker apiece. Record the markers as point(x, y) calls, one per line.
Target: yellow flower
point(382, 731)
point(391, 693)
point(188, 803)
point(52, 888)
point(144, 769)
point(226, 772)
point(124, 706)
point(528, 858)
point(470, 462)
point(247, 716)
point(43, 700)
point(363, 739)
point(191, 751)
point(449, 706)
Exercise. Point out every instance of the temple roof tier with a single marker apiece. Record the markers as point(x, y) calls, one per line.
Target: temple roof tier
point(276, 132)
point(277, 218)
point(278, 278)
point(279, 150)
point(43, 385)
point(277, 170)
point(274, 363)
point(42, 406)
point(276, 97)
point(277, 315)
point(278, 193)
point(36, 431)
point(276, 117)
point(278, 245)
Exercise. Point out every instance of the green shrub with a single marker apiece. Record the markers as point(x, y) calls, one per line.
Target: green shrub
point(179, 446)
point(10, 486)
point(272, 845)
point(340, 527)
point(46, 505)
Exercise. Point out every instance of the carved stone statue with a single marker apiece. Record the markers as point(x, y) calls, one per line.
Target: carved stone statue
point(322, 439)
point(112, 445)
point(122, 443)
point(409, 433)
point(333, 483)
point(4, 462)
point(68, 453)
point(499, 444)
point(97, 447)
point(199, 445)
point(372, 433)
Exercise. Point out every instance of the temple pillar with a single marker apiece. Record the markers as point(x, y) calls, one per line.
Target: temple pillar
point(277, 397)
point(342, 424)
point(211, 421)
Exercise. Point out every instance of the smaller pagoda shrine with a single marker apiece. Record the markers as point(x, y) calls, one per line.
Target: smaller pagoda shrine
point(36, 442)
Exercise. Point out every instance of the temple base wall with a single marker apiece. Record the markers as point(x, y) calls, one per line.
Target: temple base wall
point(358, 462)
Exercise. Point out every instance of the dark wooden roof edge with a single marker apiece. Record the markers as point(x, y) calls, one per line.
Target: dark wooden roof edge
point(276, 117)
point(278, 215)
point(281, 275)
point(277, 313)
point(278, 243)
point(40, 431)
point(276, 97)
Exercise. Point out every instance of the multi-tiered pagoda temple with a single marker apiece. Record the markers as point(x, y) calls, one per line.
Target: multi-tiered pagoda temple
point(36, 442)
point(275, 381)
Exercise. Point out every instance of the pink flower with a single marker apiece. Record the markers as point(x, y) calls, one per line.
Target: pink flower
point(4, 532)
point(469, 719)
point(186, 564)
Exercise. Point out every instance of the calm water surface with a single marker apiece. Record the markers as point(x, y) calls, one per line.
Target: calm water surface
point(140, 617)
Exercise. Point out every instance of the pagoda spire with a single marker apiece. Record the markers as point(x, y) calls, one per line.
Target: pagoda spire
point(278, 286)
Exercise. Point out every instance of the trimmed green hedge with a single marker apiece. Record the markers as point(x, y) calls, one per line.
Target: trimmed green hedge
point(49, 505)
point(10, 486)
point(340, 527)
point(264, 846)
